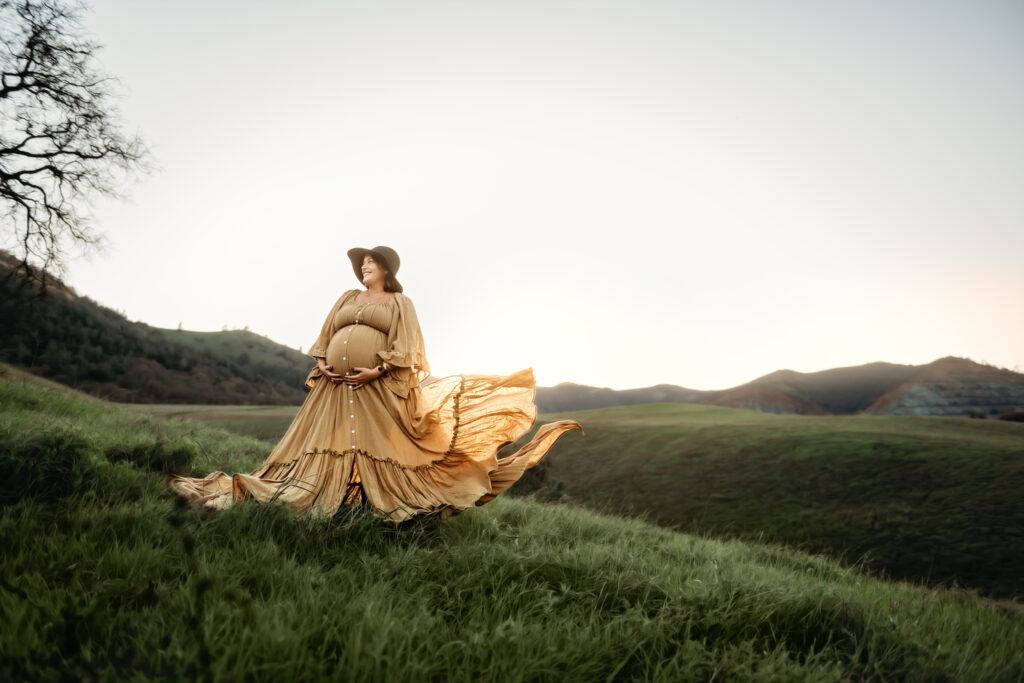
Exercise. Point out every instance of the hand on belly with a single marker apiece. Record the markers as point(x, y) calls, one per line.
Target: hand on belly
point(355, 346)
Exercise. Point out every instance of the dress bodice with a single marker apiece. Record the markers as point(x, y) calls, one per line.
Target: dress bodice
point(383, 332)
point(377, 315)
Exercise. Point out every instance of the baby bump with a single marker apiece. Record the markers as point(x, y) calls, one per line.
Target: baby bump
point(355, 346)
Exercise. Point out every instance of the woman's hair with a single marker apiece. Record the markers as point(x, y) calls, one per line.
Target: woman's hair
point(390, 283)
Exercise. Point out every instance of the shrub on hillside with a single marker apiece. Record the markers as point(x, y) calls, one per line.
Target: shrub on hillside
point(1013, 415)
point(156, 455)
point(47, 465)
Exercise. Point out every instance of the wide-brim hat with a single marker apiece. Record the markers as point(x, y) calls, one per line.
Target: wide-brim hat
point(386, 256)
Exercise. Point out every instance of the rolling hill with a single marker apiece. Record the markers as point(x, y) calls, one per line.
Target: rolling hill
point(929, 499)
point(948, 386)
point(80, 343)
point(838, 391)
point(932, 499)
point(72, 339)
point(105, 577)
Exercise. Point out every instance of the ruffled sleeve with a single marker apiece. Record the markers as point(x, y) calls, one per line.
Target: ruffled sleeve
point(319, 347)
point(405, 354)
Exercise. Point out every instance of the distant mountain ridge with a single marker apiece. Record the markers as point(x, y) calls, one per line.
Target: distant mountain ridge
point(76, 341)
point(947, 386)
point(570, 396)
point(951, 385)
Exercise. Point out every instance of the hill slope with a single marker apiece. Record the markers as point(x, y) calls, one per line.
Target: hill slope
point(951, 386)
point(947, 386)
point(570, 396)
point(106, 577)
point(840, 391)
point(80, 343)
point(933, 499)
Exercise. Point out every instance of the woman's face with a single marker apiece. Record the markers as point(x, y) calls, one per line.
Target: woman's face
point(373, 272)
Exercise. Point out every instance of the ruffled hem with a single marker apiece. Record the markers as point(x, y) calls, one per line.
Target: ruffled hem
point(467, 418)
point(350, 451)
point(319, 481)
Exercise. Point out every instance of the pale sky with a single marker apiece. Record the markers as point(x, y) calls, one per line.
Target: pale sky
point(614, 193)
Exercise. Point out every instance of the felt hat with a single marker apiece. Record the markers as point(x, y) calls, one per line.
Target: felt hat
point(385, 256)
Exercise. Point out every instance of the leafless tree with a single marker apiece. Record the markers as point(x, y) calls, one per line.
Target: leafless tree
point(61, 143)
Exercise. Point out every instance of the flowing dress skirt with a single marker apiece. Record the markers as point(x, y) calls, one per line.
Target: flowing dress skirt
point(434, 450)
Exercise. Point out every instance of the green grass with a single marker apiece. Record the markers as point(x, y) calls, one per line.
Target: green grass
point(105, 577)
point(919, 498)
point(267, 423)
point(37, 411)
point(924, 498)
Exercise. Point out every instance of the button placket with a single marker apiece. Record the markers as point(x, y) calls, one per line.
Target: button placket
point(352, 416)
point(351, 400)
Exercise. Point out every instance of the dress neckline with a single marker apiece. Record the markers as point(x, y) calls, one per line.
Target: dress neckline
point(356, 300)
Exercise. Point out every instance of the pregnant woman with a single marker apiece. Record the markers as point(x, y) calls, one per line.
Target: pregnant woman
point(371, 433)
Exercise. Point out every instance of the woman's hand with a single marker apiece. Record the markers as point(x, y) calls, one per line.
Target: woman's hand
point(333, 377)
point(360, 376)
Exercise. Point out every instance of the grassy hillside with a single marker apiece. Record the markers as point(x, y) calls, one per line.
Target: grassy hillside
point(838, 390)
point(268, 423)
point(74, 340)
point(954, 386)
point(920, 498)
point(947, 386)
point(932, 499)
point(570, 396)
point(104, 576)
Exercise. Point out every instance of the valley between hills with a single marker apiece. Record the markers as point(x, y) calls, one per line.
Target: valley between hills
point(76, 341)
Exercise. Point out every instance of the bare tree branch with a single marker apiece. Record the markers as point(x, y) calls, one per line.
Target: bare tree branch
point(60, 138)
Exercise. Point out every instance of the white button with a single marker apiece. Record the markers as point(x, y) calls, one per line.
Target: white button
point(345, 342)
point(353, 431)
point(352, 416)
point(350, 400)
point(343, 358)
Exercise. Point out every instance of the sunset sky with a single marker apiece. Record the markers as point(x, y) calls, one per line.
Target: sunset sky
point(613, 193)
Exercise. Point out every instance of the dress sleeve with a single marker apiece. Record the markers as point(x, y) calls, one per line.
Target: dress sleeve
point(319, 347)
point(405, 354)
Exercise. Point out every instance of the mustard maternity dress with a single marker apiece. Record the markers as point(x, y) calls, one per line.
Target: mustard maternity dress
point(402, 448)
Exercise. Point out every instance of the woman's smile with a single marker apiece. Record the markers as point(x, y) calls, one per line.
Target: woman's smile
point(371, 270)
